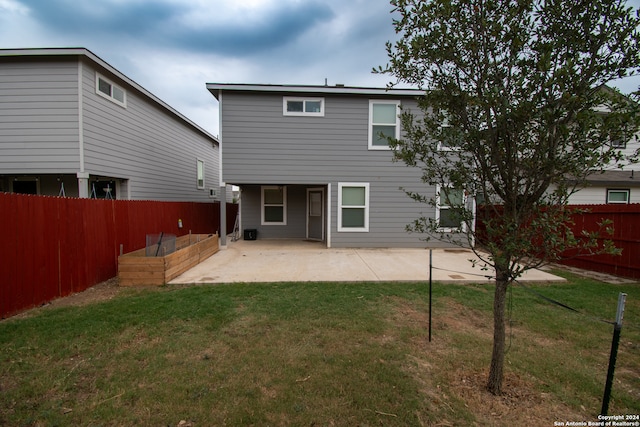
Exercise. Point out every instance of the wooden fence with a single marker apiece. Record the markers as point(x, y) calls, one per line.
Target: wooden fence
point(52, 246)
point(626, 236)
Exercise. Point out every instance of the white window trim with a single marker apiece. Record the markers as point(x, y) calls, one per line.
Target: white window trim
point(284, 204)
point(198, 185)
point(619, 190)
point(364, 229)
point(328, 215)
point(463, 224)
point(397, 124)
point(302, 113)
point(110, 96)
point(442, 147)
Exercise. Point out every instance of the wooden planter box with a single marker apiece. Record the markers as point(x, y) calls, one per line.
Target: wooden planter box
point(135, 268)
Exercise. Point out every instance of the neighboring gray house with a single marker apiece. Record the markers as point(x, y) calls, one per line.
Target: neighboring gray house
point(310, 164)
point(72, 124)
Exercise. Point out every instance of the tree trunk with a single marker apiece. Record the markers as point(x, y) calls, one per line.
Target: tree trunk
point(494, 385)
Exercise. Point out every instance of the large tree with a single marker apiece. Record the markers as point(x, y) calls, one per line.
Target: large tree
point(515, 113)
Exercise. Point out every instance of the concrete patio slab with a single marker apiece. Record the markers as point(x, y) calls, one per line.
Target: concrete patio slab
point(303, 261)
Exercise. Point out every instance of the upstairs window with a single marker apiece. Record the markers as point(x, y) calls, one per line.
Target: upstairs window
point(618, 136)
point(303, 106)
point(450, 139)
point(384, 122)
point(200, 174)
point(619, 143)
point(111, 91)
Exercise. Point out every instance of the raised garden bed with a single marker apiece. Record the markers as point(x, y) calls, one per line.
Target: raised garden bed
point(135, 268)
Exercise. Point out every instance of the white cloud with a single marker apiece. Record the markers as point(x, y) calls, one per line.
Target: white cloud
point(13, 6)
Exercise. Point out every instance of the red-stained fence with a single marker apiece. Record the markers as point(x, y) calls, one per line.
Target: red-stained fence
point(51, 247)
point(626, 236)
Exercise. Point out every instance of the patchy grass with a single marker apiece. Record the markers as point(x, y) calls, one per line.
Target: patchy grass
point(317, 354)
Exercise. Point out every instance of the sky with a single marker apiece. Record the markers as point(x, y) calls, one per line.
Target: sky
point(174, 47)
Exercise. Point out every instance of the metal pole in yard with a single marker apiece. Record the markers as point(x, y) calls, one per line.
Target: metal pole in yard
point(430, 288)
point(617, 328)
point(159, 243)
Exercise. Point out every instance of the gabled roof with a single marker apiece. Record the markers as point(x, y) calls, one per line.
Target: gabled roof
point(81, 52)
point(215, 89)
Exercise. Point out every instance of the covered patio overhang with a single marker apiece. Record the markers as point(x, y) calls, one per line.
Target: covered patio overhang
point(285, 211)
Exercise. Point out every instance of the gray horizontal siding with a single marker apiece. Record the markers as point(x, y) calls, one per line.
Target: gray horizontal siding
point(296, 214)
point(39, 117)
point(144, 144)
point(390, 211)
point(260, 142)
point(262, 146)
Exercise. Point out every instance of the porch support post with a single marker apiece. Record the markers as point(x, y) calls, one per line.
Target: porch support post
point(83, 185)
point(223, 216)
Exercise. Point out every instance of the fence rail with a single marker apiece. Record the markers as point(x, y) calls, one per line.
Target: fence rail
point(53, 246)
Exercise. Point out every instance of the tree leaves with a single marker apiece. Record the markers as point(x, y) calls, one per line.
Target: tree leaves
point(517, 114)
point(515, 108)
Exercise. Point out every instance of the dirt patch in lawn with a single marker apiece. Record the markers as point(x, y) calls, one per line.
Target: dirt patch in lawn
point(451, 379)
point(101, 292)
point(104, 291)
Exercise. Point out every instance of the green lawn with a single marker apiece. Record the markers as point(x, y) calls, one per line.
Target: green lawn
point(317, 354)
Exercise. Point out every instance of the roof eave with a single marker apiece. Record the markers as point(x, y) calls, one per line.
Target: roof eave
point(215, 89)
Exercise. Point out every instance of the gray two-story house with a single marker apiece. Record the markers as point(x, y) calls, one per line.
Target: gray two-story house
point(312, 163)
point(73, 125)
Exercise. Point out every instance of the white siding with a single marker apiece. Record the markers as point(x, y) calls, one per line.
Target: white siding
point(589, 196)
point(598, 195)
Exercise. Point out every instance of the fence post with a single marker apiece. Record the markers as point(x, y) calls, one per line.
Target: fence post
point(430, 287)
point(617, 327)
